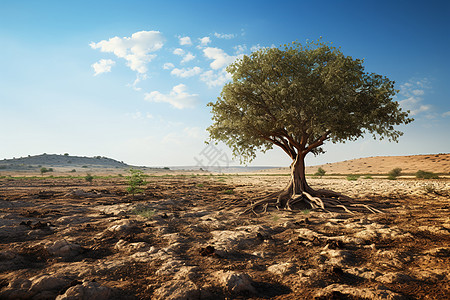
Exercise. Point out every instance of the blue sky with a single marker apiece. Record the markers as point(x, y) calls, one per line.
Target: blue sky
point(130, 79)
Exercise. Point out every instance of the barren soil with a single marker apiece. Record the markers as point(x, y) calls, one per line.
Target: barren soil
point(184, 239)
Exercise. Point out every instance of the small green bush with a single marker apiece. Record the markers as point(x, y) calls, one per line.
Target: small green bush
point(135, 182)
point(394, 173)
point(320, 172)
point(426, 175)
point(392, 177)
point(352, 177)
point(200, 185)
point(73, 171)
point(89, 177)
point(368, 177)
point(228, 192)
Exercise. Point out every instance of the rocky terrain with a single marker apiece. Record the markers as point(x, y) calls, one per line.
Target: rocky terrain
point(184, 238)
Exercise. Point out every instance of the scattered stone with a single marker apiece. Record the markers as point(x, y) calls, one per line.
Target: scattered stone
point(177, 290)
point(235, 282)
point(344, 291)
point(207, 251)
point(47, 283)
point(187, 272)
point(86, 291)
point(337, 257)
point(393, 277)
point(282, 269)
point(63, 248)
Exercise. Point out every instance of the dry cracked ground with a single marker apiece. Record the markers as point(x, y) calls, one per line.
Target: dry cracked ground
point(184, 239)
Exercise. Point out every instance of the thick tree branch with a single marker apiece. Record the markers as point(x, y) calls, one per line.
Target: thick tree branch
point(318, 142)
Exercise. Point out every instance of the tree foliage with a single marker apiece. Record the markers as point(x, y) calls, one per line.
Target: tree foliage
point(299, 96)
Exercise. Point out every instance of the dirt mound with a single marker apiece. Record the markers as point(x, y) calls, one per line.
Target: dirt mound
point(184, 239)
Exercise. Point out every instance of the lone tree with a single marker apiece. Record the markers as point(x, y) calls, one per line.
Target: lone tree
point(297, 98)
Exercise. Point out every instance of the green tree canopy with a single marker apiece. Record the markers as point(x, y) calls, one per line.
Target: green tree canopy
point(297, 98)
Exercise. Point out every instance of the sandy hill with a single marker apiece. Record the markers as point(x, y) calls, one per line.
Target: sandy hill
point(436, 163)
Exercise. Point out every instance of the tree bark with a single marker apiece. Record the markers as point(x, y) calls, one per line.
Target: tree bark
point(297, 185)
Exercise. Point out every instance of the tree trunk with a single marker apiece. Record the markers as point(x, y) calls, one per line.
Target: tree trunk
point(297, 185)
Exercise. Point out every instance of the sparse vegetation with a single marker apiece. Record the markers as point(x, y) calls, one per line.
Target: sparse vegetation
point(200, 185)
point(145, 212)
point(73, 171)
point(320, 172)
point(352, 177)
point(368, 177)
point(426, 175)
point(45, 170)
point(228, 192)
point(89, 178)
point(394, 173)
point(135, 182)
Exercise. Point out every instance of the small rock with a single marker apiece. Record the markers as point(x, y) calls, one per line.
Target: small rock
point(86, 291)
point(64, 248)
point(177, 290)
point(393, 277)
point(282, 269)
point(235, 282)
point(47, 283)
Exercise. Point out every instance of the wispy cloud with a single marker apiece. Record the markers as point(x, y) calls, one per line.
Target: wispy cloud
point(178, 97)
point(204, 40)
point(103, 66)
point(188, 57)
point(413, 92)
point(446, 114)
point(168, 66)
point(185, 40)
point(219, 57)
point(215, 78)
point(184, 73)
point(224, 35)
point(136, 50)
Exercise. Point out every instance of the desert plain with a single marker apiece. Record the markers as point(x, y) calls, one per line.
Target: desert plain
point(184, 237)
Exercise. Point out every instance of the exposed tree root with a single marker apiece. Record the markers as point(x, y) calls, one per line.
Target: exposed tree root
point(322, 200)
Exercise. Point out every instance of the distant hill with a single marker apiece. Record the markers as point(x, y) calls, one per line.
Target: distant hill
point(60, 161)
point(410, 164)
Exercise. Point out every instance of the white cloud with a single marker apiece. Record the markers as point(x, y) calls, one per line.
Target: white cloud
point(103, 66)
point(418, 92)
point(255, 47)
point(168, 66)
point(139, 116)
point(240, 49)
point(178, 97)
point(446, 114)
point(219, 57)
point(178, 51)
point(213, 79)
point(224, 36)
point(188, 57)
point(186, 72)
point(139, 78)
point(135, 49)
point(185, 40)
point(413, 92)
point(205, 40)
